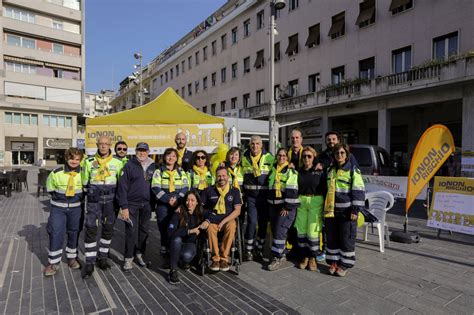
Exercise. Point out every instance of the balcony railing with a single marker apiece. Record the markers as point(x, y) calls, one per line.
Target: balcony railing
point(429, 72)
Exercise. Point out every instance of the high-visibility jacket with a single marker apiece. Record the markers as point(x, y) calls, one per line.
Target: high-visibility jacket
point(288, 187)
point(252, 184)
point(194, 179)
point(124, 159)
point(350, 189)
point(57, 183)
point(238, 171)
point(160, 184)
point(91, 168)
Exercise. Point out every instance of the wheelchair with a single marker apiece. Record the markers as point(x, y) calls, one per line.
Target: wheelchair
point(204, 252)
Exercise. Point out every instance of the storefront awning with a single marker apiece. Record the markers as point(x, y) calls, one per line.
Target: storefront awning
point(23, 60)
point(55, 65)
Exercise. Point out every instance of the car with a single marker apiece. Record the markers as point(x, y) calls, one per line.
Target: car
point(372, 160)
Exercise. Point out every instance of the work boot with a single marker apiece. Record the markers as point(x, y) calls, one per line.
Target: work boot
point(215, 266)
point(103, 263)
point(304, 263)
point(173, 276)
point(276, 263)
point(50, 270)
point(312, 265)
point(186, 266)
point(127, 265)
point(88, 271)
point(333, 268)
point(258, 257)
point(341, 271)
point(224, 265)
point(139, 260)
point(73, 264)
point(248, 256)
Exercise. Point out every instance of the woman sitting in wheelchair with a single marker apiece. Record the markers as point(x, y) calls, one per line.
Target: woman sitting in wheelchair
point(222, 203)
point(183, 229)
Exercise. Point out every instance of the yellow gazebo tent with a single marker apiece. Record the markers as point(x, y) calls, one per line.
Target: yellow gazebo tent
point(157, 124)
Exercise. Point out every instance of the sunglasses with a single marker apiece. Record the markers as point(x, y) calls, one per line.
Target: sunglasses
point(341, 153)
point(200, 157)
point(121, 149)
point(307, 156)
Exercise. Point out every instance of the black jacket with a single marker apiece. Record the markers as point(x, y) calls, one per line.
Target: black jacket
point(134, 185)
point(174, 230)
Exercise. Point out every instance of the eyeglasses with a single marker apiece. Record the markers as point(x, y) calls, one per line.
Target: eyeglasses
point(103, 143)
point(121, 149)
point(200, 157)
point(307, 156)
point(340, 153)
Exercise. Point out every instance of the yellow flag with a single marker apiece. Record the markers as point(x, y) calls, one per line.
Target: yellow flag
point(433, 149)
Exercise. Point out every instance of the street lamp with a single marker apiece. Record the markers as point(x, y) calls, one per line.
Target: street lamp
point(275, 5)
point(138, 56)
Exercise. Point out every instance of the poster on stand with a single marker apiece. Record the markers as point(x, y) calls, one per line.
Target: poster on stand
point(396, 185)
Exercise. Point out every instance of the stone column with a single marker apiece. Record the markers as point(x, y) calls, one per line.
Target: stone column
point(384, 125)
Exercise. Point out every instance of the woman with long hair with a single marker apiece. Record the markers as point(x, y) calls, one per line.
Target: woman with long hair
point(232, 163)
point(183, 231)
point(200, 176)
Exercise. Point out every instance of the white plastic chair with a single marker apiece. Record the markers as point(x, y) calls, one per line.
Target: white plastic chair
point(378, 207)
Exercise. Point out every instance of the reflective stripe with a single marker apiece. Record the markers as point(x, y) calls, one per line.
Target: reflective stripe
point(358, 203)
point(302, 245)
point(255, 187)
point(70, 250)
point(347, 261)
point(342, 205)
point(71, 255)
point(342, 190)
point(106, 242)
point(347, 254)
point(103, 250)
point(249, 241)
point(55, 253)
point(279, 242)
point(61, 191)
point(314, 247)
point(91, 254)
point(156, 186)
point(90, 245)
point(332, 251)
point(278, 250)
point(160, 194)
point(54, 261)
point(249, 247)
point(332, 257)
point(65, 205)
point(276, 202)
point(291, 186)
point(290, 200)
point(316, 239)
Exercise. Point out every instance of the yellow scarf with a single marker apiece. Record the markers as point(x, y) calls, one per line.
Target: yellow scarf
point(277, 179)
point(202, 172)
point(255, 166)
point(70, 184)
point(220, 205)
point(290, 153)
point(180, 155)
point(103, 171)
point(171, 174)
point(235, 180)
point(331, 196)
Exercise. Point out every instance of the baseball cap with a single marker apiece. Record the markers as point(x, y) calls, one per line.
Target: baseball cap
point(142, 146)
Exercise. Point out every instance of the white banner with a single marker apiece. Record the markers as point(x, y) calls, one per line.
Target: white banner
point(396, 185)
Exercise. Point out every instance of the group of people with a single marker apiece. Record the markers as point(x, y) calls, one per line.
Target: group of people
point(320, 196)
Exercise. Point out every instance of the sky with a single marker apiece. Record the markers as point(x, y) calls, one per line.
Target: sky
point(116, 29)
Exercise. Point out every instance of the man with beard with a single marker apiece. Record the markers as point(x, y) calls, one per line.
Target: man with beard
point(185, 157)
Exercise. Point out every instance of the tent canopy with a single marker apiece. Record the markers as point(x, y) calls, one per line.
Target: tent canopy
point(167, 108)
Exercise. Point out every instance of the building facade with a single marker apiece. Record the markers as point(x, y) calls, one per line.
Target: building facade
point(378, 71)
point(97, 104)
point(42, 71)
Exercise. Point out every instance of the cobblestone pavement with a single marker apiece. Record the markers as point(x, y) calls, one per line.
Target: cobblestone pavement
point(434, 276)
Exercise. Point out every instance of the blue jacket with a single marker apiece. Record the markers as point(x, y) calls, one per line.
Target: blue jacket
point(134, 186)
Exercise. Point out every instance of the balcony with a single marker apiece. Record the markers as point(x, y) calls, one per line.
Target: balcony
point(429, 75)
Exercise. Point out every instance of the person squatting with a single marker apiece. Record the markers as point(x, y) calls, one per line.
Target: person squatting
point(305, 200)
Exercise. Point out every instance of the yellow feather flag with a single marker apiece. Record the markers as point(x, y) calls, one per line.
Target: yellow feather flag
point(433, 149)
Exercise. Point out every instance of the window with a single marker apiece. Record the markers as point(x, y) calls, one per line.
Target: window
point(204, 109)
point(17, 118)
point(196, 55)
point(61, 121)
point(276, 92)
point(401, 59)
point(245, 100)
point(213, 109)
point(8, 118)
point(214, 47)
point(213, 79)
point(233, 103)
point(53, 121)
point(190, 89)
point(260, 97)
point(20, 67)
point(224, 42)
point(223, 74)
point(234, 70)
point(34, 119)
point(234, 35)
point(260, 19)
point(398, 6)
point(337, 75)
point(223, 103)
point(277, 53)
point(204, 53)
point(182, 92)
point(259, 61)
point(58, 25)
point(246, 65)
point(45, 120)
point(26, 119)
point(292, 48)
point(19, 14)
point(314, 37)
point(367, 68)
point(293, 4)
point(189, 63)
point(182, 66)
point(313, 81)
point(57, 73)
point(166, 76)
point(204, 83)
point(58, 48)
point(247, 28)
point(196, 86)
point(445, 46)
point(338, 26)
point(293, 88)
point(366, 13)
point(161, 79)
point(25, 90)
point(171, 74)
point(68, 122)
point(177, 70)
point(13, 40)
